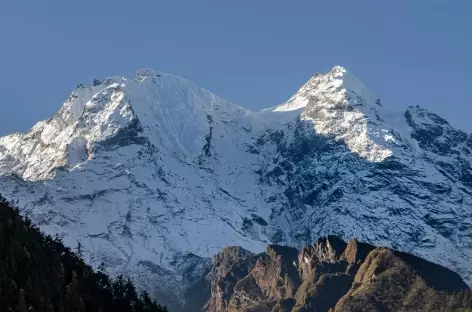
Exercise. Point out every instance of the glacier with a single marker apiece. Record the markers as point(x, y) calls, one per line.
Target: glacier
point(154, 175)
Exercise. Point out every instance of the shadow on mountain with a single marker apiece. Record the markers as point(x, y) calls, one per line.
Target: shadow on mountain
point(436, 276)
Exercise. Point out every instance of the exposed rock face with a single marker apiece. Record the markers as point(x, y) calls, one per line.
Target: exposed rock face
point(393, 281)
point(331, 275)
point(274, 277)
point(229, 266)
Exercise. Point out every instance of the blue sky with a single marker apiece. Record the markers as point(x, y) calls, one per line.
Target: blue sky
point(254, 53)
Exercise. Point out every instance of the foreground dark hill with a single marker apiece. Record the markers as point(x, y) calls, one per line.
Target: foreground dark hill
point(38, 273)
point(333, 276)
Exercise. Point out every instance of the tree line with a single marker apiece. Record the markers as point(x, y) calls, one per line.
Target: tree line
point(39, 274)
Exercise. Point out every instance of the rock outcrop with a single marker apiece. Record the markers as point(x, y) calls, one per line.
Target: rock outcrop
point(331, 275)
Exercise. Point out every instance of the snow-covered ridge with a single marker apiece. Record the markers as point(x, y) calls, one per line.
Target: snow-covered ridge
point(154, 175)
point(161, 102)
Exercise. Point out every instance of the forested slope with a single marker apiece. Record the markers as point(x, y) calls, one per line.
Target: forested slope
point(38, 273)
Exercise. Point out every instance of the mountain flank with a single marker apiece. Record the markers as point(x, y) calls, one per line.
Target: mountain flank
point(38, 273)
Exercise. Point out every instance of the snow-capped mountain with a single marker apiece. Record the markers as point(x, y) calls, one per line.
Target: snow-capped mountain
point(154, 176)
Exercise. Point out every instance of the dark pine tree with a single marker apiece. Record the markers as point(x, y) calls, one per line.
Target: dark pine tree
point(39, 274)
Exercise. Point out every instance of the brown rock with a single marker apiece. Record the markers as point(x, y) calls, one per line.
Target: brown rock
point(229, 266)
point(356, 251)
point(333, 276)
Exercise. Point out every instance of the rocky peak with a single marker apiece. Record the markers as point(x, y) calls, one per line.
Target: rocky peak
point(356, 251)
point(321, 251)
point(336, 288)
point(142, 74)
point(435, 134)
point(90, 116)
point(229, 266)
point(340, 106)
point(96, 82)
point(273, 276)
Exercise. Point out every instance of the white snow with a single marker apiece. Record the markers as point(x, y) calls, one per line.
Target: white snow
point(156, 167)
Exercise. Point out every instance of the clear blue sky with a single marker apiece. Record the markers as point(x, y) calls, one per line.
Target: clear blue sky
point(254, 53)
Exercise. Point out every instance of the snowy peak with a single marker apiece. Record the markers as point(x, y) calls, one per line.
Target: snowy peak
point(164, 110)
point(176, 114)
point(90, 116)
point(339, 90)
point(85, 98)
point(340, 106)
point(339, 82)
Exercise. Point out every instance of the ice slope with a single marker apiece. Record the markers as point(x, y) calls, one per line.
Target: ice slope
point(128, 168)
point(155, 175)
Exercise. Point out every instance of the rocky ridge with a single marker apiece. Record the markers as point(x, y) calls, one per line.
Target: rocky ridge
point(331, 275)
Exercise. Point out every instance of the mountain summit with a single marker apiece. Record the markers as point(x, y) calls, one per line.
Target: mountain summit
point(339, 105)
point(154, 175)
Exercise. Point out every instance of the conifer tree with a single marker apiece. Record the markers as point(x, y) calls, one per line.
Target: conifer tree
point(21, 306)
point(39, 274)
